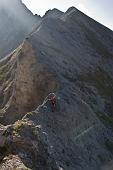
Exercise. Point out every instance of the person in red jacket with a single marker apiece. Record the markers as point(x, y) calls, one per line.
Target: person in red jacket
point(52, 99)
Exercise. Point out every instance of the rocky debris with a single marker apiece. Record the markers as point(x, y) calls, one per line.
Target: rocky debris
point(39, 139)
point(24, 142)
point(53, 129)
point(29, 144)
point(13, 162)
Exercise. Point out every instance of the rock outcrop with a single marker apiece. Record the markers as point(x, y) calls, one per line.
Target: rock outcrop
point(13, 162)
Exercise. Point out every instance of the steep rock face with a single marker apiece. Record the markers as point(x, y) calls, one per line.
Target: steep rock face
point(25, 83)
point(78, 51)
point(15, 24)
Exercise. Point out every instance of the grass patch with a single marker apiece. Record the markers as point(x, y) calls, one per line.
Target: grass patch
point(17, 126)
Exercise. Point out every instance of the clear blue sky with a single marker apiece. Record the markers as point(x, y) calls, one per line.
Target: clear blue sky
point(101, 10)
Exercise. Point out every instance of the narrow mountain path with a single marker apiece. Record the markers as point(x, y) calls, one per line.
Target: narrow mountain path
point(84, 132)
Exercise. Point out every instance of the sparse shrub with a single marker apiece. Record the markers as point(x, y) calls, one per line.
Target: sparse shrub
point(17, 126)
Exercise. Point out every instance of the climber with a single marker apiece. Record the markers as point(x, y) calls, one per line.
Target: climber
point(52, 98)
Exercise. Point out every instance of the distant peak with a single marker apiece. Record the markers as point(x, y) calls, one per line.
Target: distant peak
point(71, 9)
point(71, 13)
point(53, 13)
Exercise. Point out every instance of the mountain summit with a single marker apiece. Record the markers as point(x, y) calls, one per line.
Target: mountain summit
point(68, 56)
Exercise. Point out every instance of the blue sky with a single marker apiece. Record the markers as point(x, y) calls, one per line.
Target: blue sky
point(100, 10)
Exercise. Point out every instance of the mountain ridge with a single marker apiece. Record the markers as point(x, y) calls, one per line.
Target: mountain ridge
point(69, 55)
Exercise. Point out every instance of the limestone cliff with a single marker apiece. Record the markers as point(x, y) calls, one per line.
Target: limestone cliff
point(25, 83)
